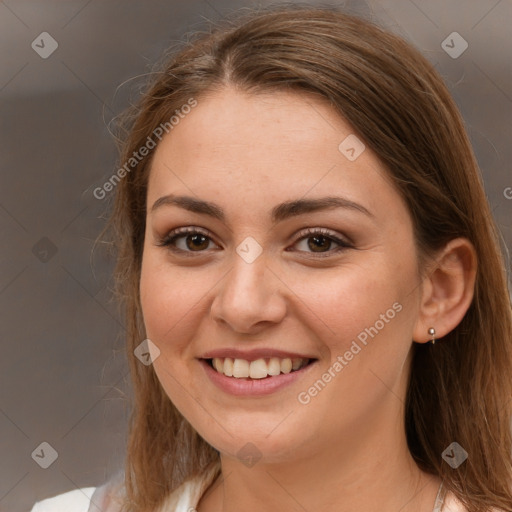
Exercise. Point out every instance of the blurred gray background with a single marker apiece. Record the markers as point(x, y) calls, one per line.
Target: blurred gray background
point(64, 376)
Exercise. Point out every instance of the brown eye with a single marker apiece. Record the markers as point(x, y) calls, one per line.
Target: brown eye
point(186, 240)
point(320, 241)
point(197, 241)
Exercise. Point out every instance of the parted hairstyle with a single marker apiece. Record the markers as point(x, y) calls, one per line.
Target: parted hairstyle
point(459, 389)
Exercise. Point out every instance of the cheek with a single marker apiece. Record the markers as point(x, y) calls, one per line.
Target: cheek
point(167, 297)
point(362, 317)
point(169, 300)
point(343, 304)
point(369, 327)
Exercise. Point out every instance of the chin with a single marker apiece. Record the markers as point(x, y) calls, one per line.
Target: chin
point(251, 445)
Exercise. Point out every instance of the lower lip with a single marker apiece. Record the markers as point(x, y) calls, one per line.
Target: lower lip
point(253, 387)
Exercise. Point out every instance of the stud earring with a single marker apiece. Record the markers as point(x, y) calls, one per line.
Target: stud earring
point(432, 333)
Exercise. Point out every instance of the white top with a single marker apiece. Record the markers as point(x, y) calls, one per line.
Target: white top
point(72, 501)
point(185, 498)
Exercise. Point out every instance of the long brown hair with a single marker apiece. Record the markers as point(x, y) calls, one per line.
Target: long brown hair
point(460, 389)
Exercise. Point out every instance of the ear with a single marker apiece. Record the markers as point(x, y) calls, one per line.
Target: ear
point(447, 290)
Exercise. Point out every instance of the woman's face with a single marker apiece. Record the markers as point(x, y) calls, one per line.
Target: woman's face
point(298, 248)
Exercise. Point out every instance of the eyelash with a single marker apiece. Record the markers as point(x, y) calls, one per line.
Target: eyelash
point(169, 240)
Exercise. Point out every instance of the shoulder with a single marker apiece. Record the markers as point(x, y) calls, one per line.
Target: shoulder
point(186, 497)
point(107, 498)
point(72, 501)
point(452, 504)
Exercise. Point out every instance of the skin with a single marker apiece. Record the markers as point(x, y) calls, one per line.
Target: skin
point(346, 449)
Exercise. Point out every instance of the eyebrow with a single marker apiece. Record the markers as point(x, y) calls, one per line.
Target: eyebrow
point(279, 213)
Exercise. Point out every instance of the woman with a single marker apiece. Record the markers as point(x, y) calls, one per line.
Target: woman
point(316, 302)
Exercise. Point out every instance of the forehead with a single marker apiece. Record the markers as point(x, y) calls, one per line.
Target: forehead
point(277, 120)
point(264, 147)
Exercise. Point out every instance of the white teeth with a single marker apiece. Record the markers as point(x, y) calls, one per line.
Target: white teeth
point(240, 368)
point(218, 364)
point(286, 365)
point(258, 369)
point(227, 368)
point(274, 366)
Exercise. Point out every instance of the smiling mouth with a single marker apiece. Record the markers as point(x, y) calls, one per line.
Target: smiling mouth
point(258, 369)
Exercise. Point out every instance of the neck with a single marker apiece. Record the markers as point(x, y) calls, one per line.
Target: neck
point(360, 472)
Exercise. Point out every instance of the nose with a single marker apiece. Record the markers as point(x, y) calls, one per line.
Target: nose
point(249, 298)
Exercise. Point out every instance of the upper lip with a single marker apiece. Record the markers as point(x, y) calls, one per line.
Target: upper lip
point(253, 354)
